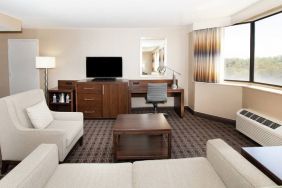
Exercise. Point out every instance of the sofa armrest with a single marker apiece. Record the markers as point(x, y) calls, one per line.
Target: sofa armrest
point(68, 116)
point(25, 141)
point(233, 169)
point(35, 170)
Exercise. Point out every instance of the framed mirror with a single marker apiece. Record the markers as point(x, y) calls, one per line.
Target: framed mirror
point(153, 56)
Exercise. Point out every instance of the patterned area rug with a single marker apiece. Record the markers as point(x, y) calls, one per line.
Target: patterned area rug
point(189, 137)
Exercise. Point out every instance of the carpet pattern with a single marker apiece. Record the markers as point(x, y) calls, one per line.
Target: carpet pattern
point(189, 137)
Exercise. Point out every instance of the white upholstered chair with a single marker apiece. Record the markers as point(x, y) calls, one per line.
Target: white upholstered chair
point(18, 137)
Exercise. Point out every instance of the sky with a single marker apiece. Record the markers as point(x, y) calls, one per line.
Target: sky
point(268, 41)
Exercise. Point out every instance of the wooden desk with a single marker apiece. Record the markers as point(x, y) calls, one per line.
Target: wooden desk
point(267, 159)
point(138, 88)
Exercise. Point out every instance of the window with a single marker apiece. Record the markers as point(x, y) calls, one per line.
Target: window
point(268, 50)
point(237, 52)
point(253, 51)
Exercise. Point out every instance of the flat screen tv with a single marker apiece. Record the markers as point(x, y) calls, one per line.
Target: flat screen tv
point(103, 67)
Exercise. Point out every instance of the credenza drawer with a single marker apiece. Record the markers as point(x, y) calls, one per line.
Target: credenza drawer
point(90, 88)
point(89, 98)
point(91, 110)
point(101, 99)
point(92, 113)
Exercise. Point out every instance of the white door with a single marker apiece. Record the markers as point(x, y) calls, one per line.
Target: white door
point(23, 75)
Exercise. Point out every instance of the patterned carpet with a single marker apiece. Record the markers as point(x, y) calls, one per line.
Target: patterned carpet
point(189, 137)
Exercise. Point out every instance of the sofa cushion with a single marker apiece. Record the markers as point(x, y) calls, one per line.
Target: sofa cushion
point(40, 115)
point(92, 175)
point(180, 173)
point(72, 128)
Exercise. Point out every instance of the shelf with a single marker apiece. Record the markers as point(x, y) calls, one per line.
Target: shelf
point(66, 87)
point(141, 147)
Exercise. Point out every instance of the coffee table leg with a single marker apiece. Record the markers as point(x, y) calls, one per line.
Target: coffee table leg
point(115, 140)
point(169, 144)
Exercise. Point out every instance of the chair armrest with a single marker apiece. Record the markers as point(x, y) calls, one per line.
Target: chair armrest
point(68, 116)
point(35, 170)
point(24, 141)
point(233, 169)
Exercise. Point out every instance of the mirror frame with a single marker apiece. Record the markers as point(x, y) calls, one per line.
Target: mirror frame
point(141, 55)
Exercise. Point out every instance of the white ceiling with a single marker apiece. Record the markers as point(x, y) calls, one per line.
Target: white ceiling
point(119, 13)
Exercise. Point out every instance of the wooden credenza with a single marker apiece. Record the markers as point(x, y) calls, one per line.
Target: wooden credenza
point(102, 99)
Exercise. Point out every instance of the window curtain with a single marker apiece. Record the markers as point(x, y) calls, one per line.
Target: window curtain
point(207, 49)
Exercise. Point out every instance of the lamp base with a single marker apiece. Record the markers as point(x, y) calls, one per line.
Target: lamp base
point(174, 86)
point(174, 82)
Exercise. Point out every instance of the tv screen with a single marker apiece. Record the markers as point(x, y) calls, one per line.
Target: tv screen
point(103, 67)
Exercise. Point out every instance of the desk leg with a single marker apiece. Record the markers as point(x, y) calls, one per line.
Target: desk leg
point(179, 104)
point(129, 102)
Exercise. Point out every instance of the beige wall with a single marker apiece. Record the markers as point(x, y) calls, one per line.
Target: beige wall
point(217, 99)
point(191, 83)
point(225, 100)
point(4, 74)
point(71, 46)
point(265, 102)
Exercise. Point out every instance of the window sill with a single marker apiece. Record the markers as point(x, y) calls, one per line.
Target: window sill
point(261, 87)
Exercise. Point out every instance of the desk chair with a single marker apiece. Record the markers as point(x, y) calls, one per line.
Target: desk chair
point(156, 93)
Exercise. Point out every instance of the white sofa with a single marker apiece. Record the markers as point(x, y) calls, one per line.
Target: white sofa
point(223, 167)
point(18, 138)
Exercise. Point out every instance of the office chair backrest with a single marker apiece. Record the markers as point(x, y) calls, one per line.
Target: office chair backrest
point(157, 92)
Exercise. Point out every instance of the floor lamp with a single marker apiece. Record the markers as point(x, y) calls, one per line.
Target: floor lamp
point(45, 63)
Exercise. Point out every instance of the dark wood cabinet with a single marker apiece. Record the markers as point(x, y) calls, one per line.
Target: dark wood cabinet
point(66, 87)
point(57, 105)
point(102, 99)
point(115, 100)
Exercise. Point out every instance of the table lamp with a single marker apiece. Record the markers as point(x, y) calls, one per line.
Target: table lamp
point(45, 63)
point(162, 70)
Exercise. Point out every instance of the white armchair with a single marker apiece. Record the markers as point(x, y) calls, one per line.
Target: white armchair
point(18, 138)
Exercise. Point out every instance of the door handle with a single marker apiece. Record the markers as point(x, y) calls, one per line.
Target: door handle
point(89, 112)
point(86, 99)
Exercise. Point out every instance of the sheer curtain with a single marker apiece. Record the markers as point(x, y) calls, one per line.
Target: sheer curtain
point(207, 49)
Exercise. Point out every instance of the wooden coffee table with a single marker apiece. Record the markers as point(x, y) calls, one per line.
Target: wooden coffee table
point(141, 136)
point(267, 159)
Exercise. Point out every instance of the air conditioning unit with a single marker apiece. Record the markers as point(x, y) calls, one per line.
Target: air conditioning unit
point(263, 130)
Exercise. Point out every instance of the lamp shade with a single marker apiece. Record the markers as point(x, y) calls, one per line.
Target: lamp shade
point(45, 62)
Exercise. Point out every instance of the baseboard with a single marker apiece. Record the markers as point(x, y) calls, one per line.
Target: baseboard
point(189, 109)
point(211, 117)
